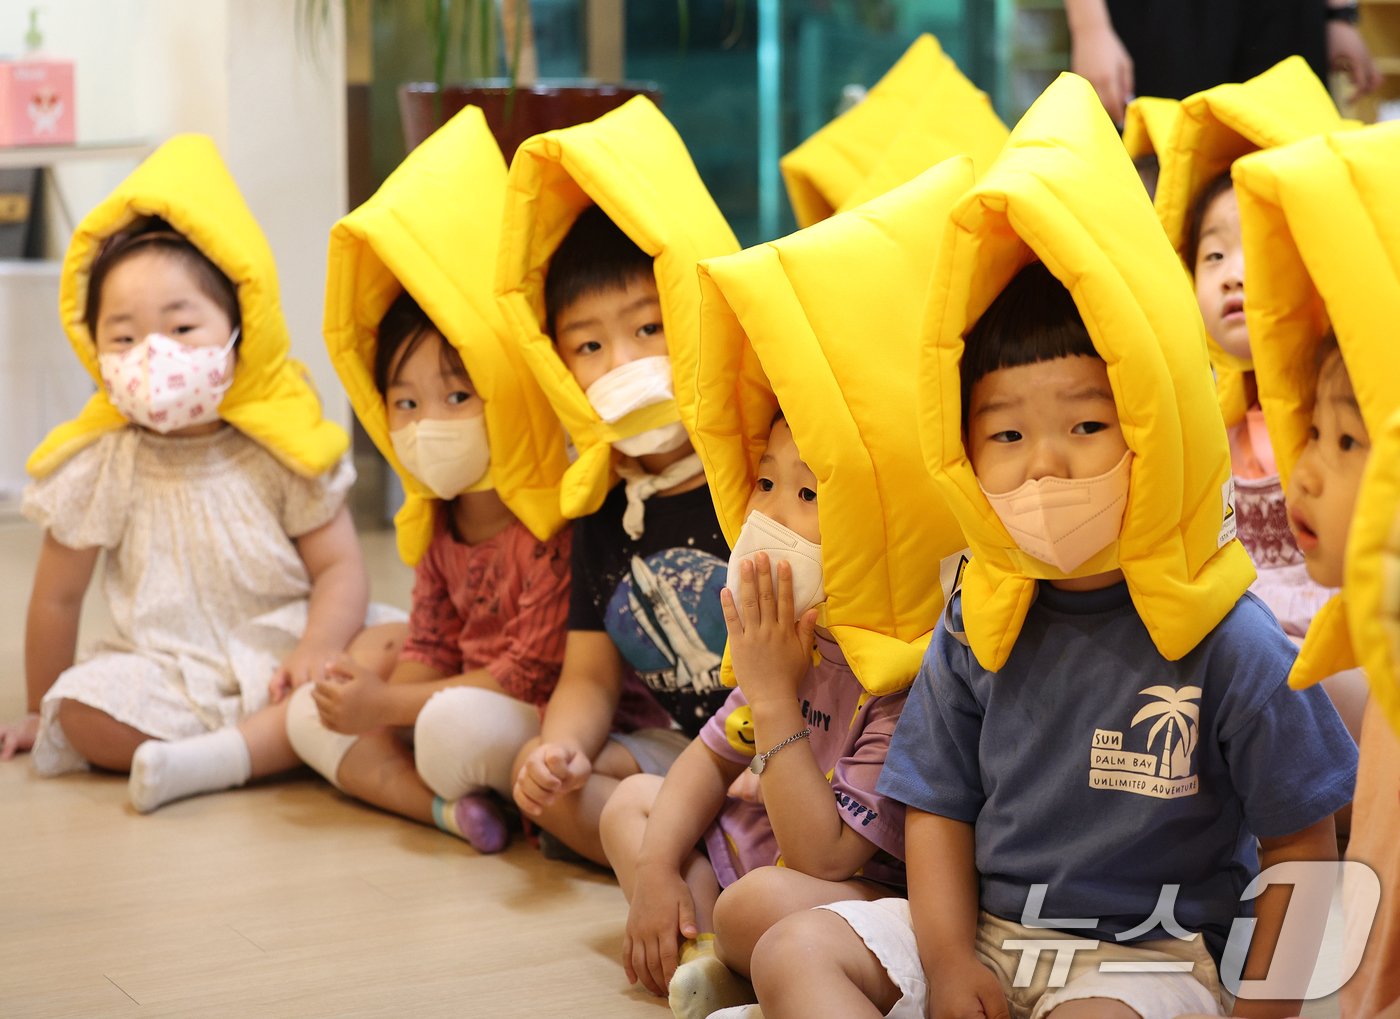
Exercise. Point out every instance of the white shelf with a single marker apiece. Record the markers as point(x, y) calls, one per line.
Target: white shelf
point(16, 156)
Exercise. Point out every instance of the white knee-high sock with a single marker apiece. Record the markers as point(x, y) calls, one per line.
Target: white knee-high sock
point(162, 772)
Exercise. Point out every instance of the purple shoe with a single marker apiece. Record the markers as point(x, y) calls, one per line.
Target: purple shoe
point(481, 822)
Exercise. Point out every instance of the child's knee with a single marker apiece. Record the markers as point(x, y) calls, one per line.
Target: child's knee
point(629, 806)
point(467, 739)
point(747, 907)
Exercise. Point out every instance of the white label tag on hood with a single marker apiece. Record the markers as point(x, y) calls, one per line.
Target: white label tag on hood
point(950, 573)
point(1227, 514)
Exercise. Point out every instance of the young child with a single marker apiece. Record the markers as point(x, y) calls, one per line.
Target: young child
point(801, 307)
point(487, 630)
point(204, 470)
point(463, 423)
point(1325, 308)
point(604, 223)
point(821, 733)
point(1092, 773)
point(1198, 208)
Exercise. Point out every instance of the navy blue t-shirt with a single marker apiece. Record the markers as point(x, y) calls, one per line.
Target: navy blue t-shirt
point(658, 597)
point(1094, 766)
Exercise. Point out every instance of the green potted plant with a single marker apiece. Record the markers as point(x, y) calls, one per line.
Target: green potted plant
point(474, 34)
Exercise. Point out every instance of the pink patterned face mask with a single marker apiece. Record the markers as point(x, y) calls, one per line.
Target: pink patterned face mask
point(165, 385)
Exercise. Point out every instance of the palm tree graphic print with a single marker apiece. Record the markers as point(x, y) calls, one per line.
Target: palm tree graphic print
point(1178, 719)
point(1163, 768)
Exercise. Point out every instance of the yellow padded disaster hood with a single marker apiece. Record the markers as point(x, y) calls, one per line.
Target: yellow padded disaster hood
point(271, 400)
point(1372, 579)
point(827, 323)
point(1065, 193)
point(921, 112)
point(1321, 224)
point(632, 164)
point(433, 228)
point(1148, 125)
point(1214, 128)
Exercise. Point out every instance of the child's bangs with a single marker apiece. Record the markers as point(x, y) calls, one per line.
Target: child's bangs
point(1033, 319)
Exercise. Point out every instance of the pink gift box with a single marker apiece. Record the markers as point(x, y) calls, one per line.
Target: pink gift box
point(36, 102)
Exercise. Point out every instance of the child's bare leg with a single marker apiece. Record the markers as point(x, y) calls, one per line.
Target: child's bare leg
point(621, 828)
point(1093, 1008)
point(378, 647)
point(700, 984)
point(265, 735)
point(813, 963)
point(99, 737)
point(379, 769)
point(574, 818)
point(759, 899)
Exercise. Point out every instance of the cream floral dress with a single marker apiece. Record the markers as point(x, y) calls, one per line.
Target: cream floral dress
point(201, 575)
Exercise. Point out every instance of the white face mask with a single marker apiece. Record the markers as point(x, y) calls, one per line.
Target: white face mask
point(166, 385)
point(764, 534)
point(448, 457)
point(1066, 521)
point(635, 385)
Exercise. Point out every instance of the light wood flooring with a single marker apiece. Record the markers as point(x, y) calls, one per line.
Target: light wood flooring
point(285, 899)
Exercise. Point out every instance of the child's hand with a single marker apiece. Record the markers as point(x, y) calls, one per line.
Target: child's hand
point(661, 914)
point(18, 737)
point(551, 771)
point(306, 664)
point(350, 698)
point(770, 650)
point(966, 989)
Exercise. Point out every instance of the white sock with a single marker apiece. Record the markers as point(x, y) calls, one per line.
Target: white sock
point(161, 771)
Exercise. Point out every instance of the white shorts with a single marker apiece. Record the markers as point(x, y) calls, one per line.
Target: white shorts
point(887, 930)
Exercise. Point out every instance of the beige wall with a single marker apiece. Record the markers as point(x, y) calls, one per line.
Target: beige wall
point(237, 71)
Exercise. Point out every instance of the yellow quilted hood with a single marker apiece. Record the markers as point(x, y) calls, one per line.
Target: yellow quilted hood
point(1214, 128)
point(1065, 193)
point(1321, 223)
point(433, 228)
point(827, 324)
point(921, 112)
point(633, 165)
point(1372, 579)
point(271, 400)
point(1148, 125)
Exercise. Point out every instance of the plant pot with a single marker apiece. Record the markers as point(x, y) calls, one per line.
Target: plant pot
point(544, 106)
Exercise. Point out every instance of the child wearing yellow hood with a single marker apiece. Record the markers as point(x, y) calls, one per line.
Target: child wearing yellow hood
point(1102, 728)
point(204, 470)
point(1326, 307)
point(604, 225)
point(1200, 212)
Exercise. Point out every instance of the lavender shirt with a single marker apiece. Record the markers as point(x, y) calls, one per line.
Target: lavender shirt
point(850, 734)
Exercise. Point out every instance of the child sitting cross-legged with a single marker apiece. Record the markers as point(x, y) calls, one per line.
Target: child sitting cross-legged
point(801, 722)
point(1101, 746)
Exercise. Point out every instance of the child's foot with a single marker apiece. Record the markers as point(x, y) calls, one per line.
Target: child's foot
point(476, 819)
point(702, 984)
point(162, 772)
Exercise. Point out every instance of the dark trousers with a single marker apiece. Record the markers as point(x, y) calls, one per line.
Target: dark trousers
point(1183, 46)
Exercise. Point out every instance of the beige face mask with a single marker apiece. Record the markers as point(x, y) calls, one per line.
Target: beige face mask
point(1065, 521)
point(449, 457)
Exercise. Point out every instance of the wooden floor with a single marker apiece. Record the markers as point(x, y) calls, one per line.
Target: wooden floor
point(286, 899)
